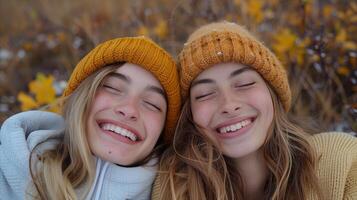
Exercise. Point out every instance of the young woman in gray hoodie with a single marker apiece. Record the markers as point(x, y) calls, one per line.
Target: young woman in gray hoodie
point(120, 98)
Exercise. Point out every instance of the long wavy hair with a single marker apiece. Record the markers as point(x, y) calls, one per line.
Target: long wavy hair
point(57, 172)
point(195, 169)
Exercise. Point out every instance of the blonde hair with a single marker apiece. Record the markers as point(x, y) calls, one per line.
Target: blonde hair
point(194, 168)
point(57, 172)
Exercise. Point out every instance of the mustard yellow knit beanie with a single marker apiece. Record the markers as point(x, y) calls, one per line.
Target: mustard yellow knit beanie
point(140, 51)
point(225, 42)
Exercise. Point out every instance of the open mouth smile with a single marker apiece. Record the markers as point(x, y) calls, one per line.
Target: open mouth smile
point(119, 132)
point(236, 128)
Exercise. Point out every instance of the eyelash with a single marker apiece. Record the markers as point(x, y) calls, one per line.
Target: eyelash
point(245, 85)
point(112, 88)
point(147, 102)
point(239, 86)
point(153, 105)
point(202, 96)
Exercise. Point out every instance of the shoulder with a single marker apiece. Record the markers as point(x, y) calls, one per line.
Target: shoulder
point(334, 143)
point(26, 129)
point(336, 163)
point(19, 134)
point(34, 120)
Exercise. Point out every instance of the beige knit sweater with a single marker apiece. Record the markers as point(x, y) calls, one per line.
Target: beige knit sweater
point(337, 165)
point(336, 169)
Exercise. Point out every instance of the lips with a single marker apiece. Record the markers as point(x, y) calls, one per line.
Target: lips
point(121, 130)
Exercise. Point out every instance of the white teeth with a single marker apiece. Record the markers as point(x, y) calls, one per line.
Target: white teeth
point(232, 128)
point(235, 127)
point(224, 130)
point(228, 128)
point(239, 126)
point(120, 131)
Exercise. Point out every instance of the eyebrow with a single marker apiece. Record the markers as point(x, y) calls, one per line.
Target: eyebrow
point(208, 81)
point(239, 71)
point(120, 76)
point(202, 81)
point(156, 89)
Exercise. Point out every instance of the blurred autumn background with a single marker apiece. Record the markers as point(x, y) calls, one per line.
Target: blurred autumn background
point(41, 41)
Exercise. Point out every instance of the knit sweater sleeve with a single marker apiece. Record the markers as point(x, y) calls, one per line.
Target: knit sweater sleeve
point(351, 182)
point(156, 188)
point(337, 164)
point(18, 136)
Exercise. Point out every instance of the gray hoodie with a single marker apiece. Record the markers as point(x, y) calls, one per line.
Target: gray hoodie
point(22, 132)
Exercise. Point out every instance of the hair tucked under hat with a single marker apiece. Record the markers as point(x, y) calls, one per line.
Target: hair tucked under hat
point(225, 42)
point(140, 51)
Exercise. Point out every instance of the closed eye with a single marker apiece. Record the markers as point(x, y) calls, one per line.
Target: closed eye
point(153, 106)
point(246, 85)
point(112, 88)
point(204, 95)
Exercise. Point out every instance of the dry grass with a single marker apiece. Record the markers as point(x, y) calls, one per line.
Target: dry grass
point(51, 36)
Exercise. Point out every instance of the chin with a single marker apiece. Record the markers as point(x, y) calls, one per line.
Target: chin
point(122, 162)
point(238, 153)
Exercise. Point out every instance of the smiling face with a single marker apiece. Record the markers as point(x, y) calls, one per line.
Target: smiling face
point(232, 103)
point(126, 116)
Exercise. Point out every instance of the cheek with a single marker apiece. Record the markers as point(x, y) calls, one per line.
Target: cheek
point(263, 102)
point(202, 113)
point(154, 122)
point(100, 101)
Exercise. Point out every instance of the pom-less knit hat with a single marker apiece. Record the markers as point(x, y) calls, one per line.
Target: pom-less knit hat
point(140, 51)
point(225, 42)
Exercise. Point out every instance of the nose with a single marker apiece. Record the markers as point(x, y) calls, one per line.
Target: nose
point(128, 110)
point(230, 105)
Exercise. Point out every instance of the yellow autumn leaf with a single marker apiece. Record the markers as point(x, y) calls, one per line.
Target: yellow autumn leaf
point(43, 89)
point(27, 102)
point(308, 8)
point(27, 46)
point(315, 58)
point(284, 40)
point(287, 46)
point(229, 17)
point(161, 29)
point(341, 36)
point(54, 108)
point(255, 10)
point(300, 50)
point(343, 70)
point(349, 45)
point(142, 30)
point(61, 36)
point(299, 53)
point(327, 11)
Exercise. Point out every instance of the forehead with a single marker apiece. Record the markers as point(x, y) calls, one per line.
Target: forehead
point(138, 75)
point(220, 70)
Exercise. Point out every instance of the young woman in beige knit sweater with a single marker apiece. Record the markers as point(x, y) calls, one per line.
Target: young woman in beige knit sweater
point(234, 139)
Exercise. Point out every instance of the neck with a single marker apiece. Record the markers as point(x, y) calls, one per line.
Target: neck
point(254, 173)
